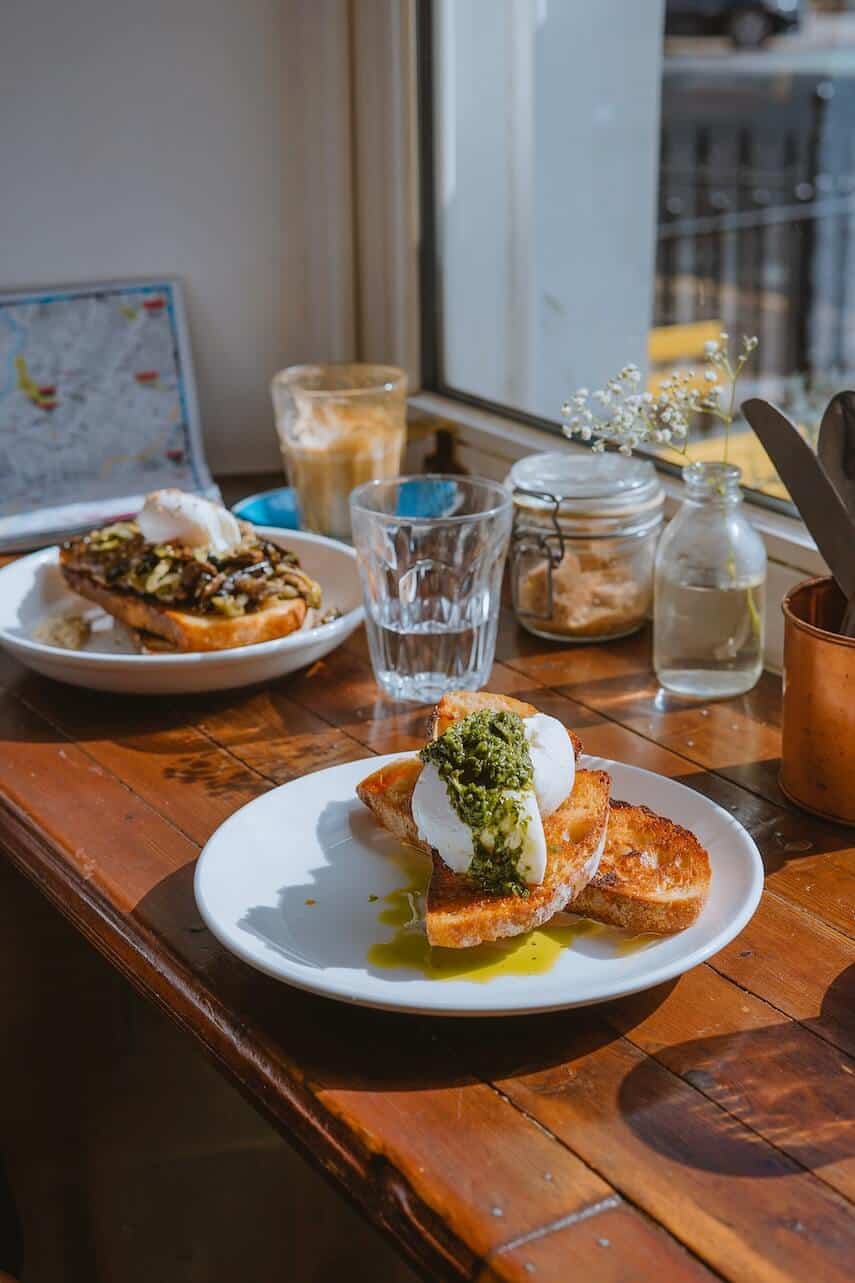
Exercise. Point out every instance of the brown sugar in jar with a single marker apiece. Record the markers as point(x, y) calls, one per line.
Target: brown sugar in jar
point(584, 539)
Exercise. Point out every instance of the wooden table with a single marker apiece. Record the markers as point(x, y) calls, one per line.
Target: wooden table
point(701, 1130)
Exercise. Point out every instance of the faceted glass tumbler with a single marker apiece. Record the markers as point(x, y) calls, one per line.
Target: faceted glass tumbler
point(431, 551)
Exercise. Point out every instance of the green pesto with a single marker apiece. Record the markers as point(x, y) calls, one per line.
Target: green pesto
point(479, 759)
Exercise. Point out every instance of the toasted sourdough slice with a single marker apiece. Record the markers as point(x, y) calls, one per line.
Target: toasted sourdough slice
point(186, 631)
point(459, 914)
point(653, 876)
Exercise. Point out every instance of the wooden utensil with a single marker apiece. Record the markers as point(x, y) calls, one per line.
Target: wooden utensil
point(836, 446)
point(823, 511)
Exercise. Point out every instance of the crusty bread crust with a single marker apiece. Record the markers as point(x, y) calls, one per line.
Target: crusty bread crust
point(455, 705)
point(459, 914)
point(388, 794)
point(185, 631)
point(654, 875)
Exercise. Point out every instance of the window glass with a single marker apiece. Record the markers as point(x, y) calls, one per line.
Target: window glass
point(619, 183)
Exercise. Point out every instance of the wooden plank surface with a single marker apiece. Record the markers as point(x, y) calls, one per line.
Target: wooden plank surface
point(702, 1130)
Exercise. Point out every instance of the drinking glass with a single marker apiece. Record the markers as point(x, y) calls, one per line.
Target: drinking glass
point(431, 551)
point(338, 425)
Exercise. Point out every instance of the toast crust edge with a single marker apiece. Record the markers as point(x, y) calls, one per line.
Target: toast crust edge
point(457, 704)
point(188, 632)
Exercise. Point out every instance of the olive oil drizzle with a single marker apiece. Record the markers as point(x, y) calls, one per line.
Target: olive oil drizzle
point(531, 954)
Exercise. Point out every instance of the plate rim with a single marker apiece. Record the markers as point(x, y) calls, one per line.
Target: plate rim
point(233, 655)
point(665, 972)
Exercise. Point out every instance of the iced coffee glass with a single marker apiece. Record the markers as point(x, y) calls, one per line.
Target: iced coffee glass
point(339, 426)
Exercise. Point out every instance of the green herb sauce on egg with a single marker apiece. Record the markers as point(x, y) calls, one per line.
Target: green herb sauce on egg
point(481, 759)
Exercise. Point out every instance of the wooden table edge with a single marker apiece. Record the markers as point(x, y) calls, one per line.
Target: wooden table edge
point(370, 1182)
point(403, 1213)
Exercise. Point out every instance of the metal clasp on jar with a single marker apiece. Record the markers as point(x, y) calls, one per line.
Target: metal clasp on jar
point(535, 543)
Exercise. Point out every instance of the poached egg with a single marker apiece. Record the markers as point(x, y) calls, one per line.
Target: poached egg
point(175, 516)
point(554, 772)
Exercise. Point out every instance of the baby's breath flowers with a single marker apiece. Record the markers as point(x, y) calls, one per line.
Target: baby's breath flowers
point(621, 414)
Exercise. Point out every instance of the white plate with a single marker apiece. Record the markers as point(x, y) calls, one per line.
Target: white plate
point(312, 840)
point(32, 588)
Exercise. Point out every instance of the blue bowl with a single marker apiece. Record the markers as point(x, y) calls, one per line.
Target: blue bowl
point(431, 497)
point(270, 508)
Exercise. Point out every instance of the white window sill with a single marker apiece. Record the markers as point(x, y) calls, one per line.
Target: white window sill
point(488, 443)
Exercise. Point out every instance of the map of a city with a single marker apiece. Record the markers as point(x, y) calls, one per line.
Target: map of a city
point(93, 400)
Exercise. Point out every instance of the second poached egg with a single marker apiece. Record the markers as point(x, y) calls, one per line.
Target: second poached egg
point(176, 516)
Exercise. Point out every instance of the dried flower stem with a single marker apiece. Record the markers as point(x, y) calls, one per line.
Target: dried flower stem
point(628, 418)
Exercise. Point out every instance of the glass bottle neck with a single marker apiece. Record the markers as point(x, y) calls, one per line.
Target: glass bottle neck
point(713, 483)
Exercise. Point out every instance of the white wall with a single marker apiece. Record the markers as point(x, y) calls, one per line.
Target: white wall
point(166, 137)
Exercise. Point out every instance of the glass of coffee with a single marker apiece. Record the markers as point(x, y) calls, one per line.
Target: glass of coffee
point(339, 426)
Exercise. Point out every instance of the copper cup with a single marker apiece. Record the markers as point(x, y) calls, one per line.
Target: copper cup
point(818, 751)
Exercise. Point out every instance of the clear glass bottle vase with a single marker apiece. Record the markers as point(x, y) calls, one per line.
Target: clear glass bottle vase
point(710, 583)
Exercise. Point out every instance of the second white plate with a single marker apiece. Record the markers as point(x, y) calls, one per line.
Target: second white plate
point(304, 885)
point(32, 589)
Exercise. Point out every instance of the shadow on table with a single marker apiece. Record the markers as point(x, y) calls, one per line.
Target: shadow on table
point(793, 1089)
point(362, 1049)
point(750, 1104)
point(784, 836)
point(96, 715)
